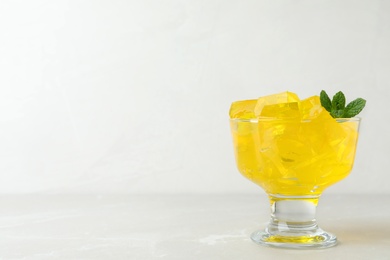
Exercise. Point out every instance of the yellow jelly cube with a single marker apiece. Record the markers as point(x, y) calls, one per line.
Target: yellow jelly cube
point(311, 108)
point(243, 109)
point(282, 105)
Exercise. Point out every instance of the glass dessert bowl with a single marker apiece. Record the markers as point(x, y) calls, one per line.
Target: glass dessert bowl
point(294, 158)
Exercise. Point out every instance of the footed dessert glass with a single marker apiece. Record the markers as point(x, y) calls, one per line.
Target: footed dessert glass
point(294, 161)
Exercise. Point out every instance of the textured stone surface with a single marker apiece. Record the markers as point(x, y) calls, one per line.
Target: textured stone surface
point(143, 227)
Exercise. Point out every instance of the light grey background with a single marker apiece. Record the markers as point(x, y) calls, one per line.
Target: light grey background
point(133, 96)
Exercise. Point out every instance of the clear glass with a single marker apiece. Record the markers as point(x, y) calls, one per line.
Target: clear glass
point(294, 162)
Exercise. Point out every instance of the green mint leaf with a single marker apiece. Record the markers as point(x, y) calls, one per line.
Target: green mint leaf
point(354, 108)
point(337, 113)
point(338, 101)
point(325, 101)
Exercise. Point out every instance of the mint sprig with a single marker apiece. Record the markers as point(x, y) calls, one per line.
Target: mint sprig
point(337, 108)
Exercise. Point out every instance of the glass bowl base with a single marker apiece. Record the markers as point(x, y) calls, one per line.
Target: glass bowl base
point(320, 239)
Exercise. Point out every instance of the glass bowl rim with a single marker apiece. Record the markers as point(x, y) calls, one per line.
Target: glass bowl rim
point(266, 119)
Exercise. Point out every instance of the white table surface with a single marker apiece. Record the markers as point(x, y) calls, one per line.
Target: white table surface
point(179, 227)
